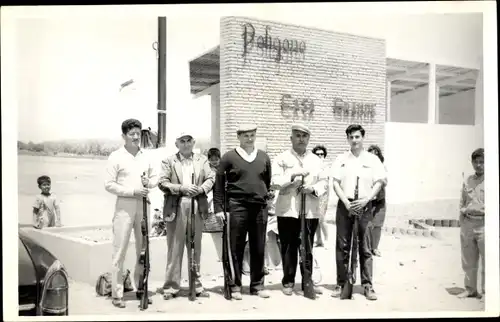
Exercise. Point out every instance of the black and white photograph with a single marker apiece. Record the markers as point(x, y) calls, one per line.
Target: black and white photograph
point(250, 161)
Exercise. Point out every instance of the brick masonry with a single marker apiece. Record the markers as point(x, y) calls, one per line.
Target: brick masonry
point(332, 66)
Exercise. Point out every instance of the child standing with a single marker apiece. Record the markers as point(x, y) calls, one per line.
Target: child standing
point(46, 210)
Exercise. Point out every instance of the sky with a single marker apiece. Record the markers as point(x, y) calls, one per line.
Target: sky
point(69, 68)
point(70, 73)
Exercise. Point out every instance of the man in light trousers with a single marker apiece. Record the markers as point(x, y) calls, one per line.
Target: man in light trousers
point(472, 227)
point(125, 179)
point(175, 182)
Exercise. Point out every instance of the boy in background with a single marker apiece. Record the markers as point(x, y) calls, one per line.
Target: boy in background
point(46, 210)
point(472, 227)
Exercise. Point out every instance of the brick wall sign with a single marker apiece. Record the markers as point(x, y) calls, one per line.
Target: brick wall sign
point(274, 74)
point(281, 50)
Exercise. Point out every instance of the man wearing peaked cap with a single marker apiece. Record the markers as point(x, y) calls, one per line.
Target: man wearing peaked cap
point(298, 171)
point(247, 172)
point(184, 134)
point(176, 183)
point(301, 127)
point(246, 127)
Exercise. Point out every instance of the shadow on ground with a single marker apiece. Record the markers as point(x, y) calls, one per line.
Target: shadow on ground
point(357, 289)
point(454, 290)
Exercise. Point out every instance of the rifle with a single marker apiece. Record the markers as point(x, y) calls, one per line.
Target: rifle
point(347, 288)
point(191, 261)
point(142, 289)
point(308, 286)
point(227, 261)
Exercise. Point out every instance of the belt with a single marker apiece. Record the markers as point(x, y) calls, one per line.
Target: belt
point(476, 217)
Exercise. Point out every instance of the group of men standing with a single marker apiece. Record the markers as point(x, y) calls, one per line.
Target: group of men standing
point(243, 181)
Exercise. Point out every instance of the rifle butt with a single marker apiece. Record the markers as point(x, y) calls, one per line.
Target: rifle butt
point(346, 292)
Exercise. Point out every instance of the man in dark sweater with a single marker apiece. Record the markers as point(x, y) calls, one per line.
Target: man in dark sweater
point(248, 174)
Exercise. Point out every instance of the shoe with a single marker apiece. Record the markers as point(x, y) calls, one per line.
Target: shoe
point(467, 294)
point(168, 296)
point(336, 291)
point(287, 291)
point(370, 293)
point(266, 271)
point(138, 295)
point(318, 290)
point(236, 296)
point(376, 252)
point(319, 244)
point(203, 294)
point(262, 294)
point(120, 303)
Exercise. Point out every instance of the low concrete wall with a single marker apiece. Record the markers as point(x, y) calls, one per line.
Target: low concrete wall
point(86, 260)
point(400, 214)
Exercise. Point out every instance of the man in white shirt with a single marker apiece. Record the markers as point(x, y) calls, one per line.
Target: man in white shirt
point(288, 169)
point(176, 182)
point(125, 179)
point(357, 162)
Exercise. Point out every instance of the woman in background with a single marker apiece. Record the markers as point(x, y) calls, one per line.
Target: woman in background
point(320, 151)
point(379, 209)
point(212, 225)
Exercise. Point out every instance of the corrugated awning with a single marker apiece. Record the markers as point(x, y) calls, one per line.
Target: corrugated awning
point(407, 75)
point(204, 71)
point(404, 75)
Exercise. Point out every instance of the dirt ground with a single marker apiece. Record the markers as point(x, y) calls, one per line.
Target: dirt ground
point(414, 274)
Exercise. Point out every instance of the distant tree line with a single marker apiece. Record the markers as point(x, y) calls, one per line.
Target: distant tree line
point(88, 147)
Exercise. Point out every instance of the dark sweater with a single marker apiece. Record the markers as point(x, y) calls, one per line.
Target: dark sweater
point(246, 182)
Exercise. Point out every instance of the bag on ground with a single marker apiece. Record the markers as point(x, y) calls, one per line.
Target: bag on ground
point(103, 285)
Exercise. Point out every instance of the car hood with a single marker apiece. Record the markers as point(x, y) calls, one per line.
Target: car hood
point(41, 259)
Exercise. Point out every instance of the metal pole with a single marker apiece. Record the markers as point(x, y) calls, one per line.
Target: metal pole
point(162, 80)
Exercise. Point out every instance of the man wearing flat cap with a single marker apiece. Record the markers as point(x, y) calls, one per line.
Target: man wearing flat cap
point(247, 172)
point(175, 182)
point(289, 169)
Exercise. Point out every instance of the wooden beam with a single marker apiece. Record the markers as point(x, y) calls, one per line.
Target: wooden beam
point(455, 79)
point(203, 79)
point(205, 69)
point(398, 86)
point(407, 79)
point(404, 71)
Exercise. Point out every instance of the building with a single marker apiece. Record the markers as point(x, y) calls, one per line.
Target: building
point(275, 74)
point(425, 113)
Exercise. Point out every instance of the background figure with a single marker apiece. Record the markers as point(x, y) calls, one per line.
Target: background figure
point(320, 151)
point(46, 210)
point(214, 156)
point(272, 250)
point(379, 209)
point(472, 227)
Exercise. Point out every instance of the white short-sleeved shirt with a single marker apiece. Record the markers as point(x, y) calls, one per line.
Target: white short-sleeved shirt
point(367, 166)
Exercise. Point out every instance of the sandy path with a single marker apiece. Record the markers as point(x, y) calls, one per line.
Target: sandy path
point(415, 274)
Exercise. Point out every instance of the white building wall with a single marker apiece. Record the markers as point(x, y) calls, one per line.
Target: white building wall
point(410, 106)
point(458, 109)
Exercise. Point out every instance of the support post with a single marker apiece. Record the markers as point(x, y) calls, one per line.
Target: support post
point(431, 102)
point(162, 80)
point(388, 102)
